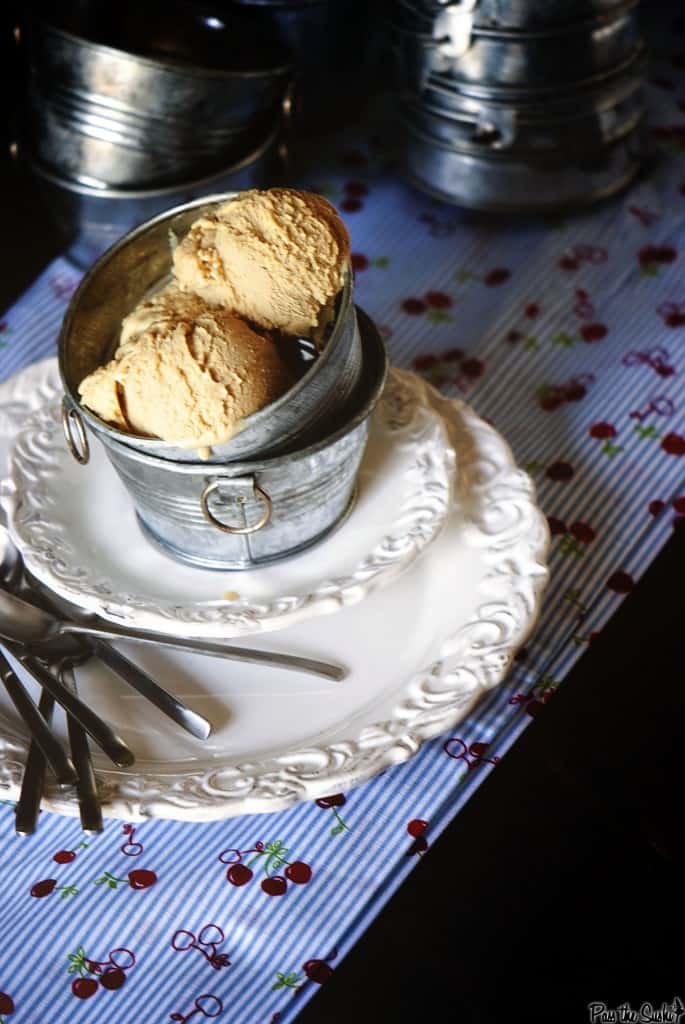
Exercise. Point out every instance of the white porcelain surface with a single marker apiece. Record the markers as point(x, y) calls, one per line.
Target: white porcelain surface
point(420, 653)
point(78, 534)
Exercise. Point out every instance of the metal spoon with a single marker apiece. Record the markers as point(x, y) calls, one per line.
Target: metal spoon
point(23, 622)
point(11, 580)
point(62, 766)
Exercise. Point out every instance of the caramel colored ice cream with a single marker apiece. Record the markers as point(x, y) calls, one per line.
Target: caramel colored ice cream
point(276, 258)
point(191, 362)
point(186, 373)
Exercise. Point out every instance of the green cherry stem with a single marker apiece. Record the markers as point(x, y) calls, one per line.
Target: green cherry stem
point(341, 827)
point(109, 879)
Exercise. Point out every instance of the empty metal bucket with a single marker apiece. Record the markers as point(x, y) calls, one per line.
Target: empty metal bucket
point(244, 514)
point(502, 59)
point(145, 95)
point(92, 219)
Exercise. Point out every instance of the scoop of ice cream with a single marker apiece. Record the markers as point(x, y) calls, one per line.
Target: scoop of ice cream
point(185, 373)
point(276, 257)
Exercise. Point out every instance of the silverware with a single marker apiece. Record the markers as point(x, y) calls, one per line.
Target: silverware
point(12, 580)
point(90, 810)
point(24, 623)
point(171, 706)
point(61, 764)
point(27, 808)
point(103, 734)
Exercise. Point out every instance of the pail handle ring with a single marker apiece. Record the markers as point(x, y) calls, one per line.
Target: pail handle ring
point(243, 486)
point(75, 433)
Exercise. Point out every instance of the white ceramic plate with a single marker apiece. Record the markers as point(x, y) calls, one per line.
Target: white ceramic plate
point(420, 653)
point(78, 533)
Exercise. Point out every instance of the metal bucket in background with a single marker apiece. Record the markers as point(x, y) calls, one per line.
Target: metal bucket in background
point(518, 14)
point(128, 69)
point(512, 182)
point(146, 97)
point(92, 219)
point(498, 59)
point(562, 124)
point(240, 515)
point(142, 261)
point(93, 145)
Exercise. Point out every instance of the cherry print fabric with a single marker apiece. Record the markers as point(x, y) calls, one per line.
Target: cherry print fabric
point(569, 336)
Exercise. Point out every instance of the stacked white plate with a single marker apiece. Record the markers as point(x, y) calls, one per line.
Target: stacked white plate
point(423, 594)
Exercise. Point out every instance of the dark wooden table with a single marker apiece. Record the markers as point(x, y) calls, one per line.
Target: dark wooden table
point(561, 882)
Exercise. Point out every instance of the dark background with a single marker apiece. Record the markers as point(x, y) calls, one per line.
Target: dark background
point(561, 882)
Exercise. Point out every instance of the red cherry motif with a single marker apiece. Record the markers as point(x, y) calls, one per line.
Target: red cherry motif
point(140, 878)
point(568, 263)
point(64, 856)
point(559, 471)
point(239, 874)
point(679, 505)
point(6, 1004)
point(582, 532)
point(351, 205)
point(43, 888)
point(359, 261)
point(473, 368)
point(602, 431)
point(552, 399)
point(673, 444)
point(438, 300)
point(556, 526)
point(318, 971)
point(84, 988)
point(274, 885)
point(499, 275)
point(593, 332)
point(113, 978)
point(532, 310)
point(620, 582)
point(298, 872)
point(336, 800)
point(425, 362)
point(575, 392)
point(414, 306)
point(659, 254)
point(655, 507)
point(416, 827)
point(513, 337)
point(674, 319)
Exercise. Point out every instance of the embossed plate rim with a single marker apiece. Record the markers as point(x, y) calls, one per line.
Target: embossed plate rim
point(503, 522)
point(41, 530)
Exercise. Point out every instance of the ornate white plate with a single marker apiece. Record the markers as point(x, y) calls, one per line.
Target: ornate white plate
point(420, 652)
point(78, 534)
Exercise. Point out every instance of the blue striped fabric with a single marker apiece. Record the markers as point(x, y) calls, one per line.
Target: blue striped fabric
point(569, 338)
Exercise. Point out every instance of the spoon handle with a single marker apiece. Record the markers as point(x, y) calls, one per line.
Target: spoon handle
point(171, 706)
point(62, 766)
point(27, 807)
point(292, 662)
point(89, 807)
point(104, 736)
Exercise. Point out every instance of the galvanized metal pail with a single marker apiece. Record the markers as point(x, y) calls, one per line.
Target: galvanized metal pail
point(245, 514)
